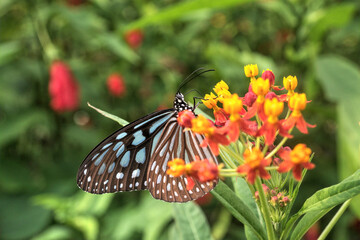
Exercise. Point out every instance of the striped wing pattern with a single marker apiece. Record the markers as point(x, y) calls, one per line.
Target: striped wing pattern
point(120, 162)
point(177, 143)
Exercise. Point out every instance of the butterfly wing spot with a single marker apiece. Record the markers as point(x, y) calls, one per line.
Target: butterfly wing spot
point(145, 183)
point(89, 179)
point(98, 161)
point(140, 156)
point(197, 189)
point(111, 167)
point(106, 181)
point(136, 184)
point(164, 180)
point(202, 186)
point(119, 175)
point(125, 159)
point(85, 171)
point(121, 150)
point(157, 169)
point(180, 186)
point(130, 186)
point(114, 187)
point(116, 147)
point(168, 187)
point(138, 138)
point(102, 169)
point(121, 135)
point(158, 179)
point(135, 173)
point(106, 146)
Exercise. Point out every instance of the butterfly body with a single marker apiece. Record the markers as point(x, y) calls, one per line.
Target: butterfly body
point(135, 157)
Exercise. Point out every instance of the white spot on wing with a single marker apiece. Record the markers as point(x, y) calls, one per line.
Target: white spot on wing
point(89, 179)
point(135, 173)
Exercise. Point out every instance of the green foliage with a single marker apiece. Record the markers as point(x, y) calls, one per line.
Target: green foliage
point(40, 149)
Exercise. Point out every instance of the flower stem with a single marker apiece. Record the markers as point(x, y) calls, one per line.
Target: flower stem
point(334, 220)
point(272, 153)
point(265, 210)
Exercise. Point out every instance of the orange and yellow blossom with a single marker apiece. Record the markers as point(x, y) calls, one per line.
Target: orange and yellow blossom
point(290, 83)
point(251, 71)
point(297, 103)
point(210, 101)
point(234, 107)
point(297, 159)
point(213, 135)
point(273, 108)
point(200, 170)
point(254, 165)
point(185, 117)
point(260, 87)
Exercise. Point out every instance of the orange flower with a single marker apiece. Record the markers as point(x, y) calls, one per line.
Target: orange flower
point(177, 167)
point(185, 117)
point(210, 101)
point(297, 103)
point(297, 159)
point(201, 170)
point(213, 135)
point(260, 87)
point(273, 108)
point(254, 165)
point(233, 106)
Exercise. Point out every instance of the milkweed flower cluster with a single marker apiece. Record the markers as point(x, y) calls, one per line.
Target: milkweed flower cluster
point(258, 122)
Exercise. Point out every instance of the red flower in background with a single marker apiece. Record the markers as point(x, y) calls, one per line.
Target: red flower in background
point(134, 38)
point(63, 88)
point(116, 85)
point(75, 2)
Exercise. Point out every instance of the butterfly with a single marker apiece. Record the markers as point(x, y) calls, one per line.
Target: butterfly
point(135, 157)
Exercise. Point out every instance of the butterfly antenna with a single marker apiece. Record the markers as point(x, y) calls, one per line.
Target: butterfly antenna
point(194, 75)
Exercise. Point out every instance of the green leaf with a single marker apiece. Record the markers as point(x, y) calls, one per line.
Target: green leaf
point(20, 219)
point(8, 51)
point(16, 126)
point(333, 17)
point(306, 222)
point(121, 121)
point(334, 195)
point(339, 77)
point(243, 192)
point(55, 232)
point(176, 11)
point(191, 221)
point(239, 209)
point(348, 147)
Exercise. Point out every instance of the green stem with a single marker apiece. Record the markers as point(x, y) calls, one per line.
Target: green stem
point(265, 210)
point(272, 153)
point(232, 154)
point(334, 220)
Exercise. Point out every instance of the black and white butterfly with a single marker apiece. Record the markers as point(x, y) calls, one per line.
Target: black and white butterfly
point(135, 158)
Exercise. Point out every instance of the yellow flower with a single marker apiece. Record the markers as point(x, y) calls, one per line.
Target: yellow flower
point(297, 103)
point(290, 83)
point(233, 105)
point(300, 154)
point(220, 86)
point(210, 101)
point(273, 108)
point(201, 125)
point(260, 87)
point(177, 167)
point(251, 70)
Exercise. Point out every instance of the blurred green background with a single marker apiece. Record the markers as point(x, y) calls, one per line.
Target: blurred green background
point(41, 149)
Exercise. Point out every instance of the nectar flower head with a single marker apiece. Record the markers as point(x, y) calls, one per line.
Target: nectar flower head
point(297, 159)
point(210, 101)
point(202, 125)
point(233, 105)
point(273, 108)
point(220, 86)
point(297, 102)
point(185, 117)
point(63, 88)
point(116, 85)
point(260, 87)
point(177, 167)
point(290, 83)
point(251, 70)
point(268, 74)
point(254, 165)
point(134, 38)
point(300, 154)
point(204, 170)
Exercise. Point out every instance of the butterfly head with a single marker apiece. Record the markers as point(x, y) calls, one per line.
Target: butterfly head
point(180, 104)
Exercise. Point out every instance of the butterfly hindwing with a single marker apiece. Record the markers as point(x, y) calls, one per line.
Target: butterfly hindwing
point(177, 143)
point(120, 162)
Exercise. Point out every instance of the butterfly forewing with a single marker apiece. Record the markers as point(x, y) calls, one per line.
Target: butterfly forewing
point(120, 162)
point(176, 143)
